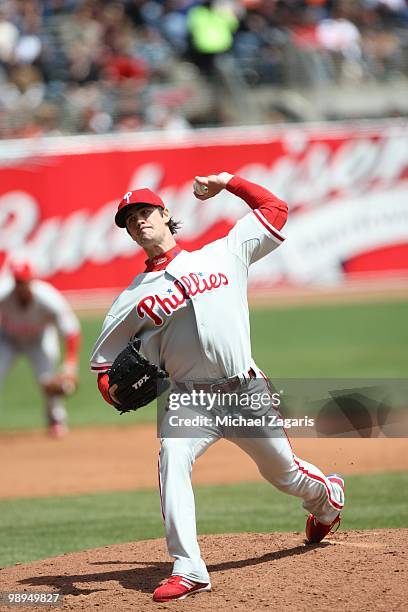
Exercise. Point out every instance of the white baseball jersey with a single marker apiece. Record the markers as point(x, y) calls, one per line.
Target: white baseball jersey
point(48, 308)
point(192, 318)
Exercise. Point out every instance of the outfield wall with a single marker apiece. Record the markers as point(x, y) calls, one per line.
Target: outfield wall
point(346, 185)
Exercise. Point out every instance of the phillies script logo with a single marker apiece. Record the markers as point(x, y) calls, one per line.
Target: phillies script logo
point(185, 287)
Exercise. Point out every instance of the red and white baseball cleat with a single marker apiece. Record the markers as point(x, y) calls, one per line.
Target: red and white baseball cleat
point(178, 587)
point(315, 530)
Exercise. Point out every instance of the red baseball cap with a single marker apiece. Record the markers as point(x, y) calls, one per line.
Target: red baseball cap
point(22, 271)
point(138, 197)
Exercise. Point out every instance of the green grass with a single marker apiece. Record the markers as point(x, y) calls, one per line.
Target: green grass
point(33, 529)
point(356, 340)
point(353, 340)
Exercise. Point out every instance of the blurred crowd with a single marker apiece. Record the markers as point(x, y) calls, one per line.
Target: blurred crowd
point(99, 66)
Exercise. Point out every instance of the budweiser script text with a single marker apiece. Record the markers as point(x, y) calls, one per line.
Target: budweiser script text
point(307, 172)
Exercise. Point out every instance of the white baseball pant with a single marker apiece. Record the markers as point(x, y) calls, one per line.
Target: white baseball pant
point(277, 464)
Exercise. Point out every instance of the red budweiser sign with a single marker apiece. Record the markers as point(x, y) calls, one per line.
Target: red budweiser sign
point(346, 186)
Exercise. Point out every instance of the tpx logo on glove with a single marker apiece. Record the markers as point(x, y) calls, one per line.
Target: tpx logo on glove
point(141, 381)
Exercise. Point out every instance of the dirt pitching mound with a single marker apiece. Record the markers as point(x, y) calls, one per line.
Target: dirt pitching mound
point(353, 571)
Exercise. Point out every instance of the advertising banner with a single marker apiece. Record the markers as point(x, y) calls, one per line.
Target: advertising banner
point(346, 186)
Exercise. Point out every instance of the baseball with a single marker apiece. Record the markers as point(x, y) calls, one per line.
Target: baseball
point(199, 189)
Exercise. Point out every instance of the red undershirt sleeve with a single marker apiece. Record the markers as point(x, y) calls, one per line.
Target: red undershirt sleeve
point(103, 386)
point(257, 197)
point(72, 344)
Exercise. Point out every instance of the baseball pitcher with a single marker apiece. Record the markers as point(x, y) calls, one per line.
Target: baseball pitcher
point(184, 321)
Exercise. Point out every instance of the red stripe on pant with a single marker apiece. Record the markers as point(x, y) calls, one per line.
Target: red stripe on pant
point(318, 479)
point(302, 469)
point(272, 391)
point(160, 487)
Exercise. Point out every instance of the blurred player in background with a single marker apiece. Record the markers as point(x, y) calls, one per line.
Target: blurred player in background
point(32, 316)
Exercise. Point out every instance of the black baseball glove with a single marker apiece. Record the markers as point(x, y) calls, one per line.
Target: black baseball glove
point(138, 381)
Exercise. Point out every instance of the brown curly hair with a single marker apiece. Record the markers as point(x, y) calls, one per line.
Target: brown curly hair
point(174, 226)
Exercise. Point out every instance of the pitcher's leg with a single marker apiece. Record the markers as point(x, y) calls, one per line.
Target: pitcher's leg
point(176, 459)
point(279, 465)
